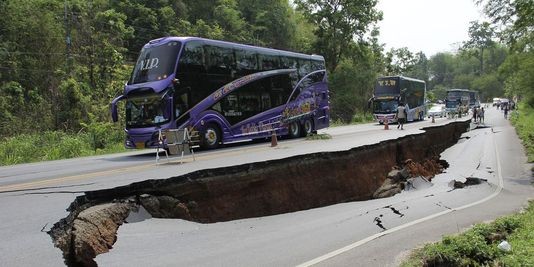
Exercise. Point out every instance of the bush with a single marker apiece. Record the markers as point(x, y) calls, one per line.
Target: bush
point(478, 246)
point(523, 120)
point(53, 145)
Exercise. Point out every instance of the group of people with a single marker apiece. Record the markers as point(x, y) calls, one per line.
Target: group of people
point(478, 114)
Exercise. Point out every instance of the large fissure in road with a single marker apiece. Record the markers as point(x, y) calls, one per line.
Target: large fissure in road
point(245, 191)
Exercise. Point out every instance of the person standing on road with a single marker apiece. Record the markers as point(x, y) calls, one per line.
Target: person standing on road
point(506, 111)
point(401, 115)
point(475, 114)
point(481, 115)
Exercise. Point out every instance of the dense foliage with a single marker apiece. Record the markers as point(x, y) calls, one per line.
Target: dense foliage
point(63, 61)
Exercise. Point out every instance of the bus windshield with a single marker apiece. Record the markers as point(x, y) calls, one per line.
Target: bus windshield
point(451, 103)
point(146, 111)
point(155, 63)
point(385, 106)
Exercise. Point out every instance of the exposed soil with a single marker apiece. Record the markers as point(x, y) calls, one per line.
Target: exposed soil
point(250, 190)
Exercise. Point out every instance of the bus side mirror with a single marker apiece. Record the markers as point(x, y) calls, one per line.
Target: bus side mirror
point(114, 113)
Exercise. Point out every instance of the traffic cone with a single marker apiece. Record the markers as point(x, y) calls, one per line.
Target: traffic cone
point(433, 120)
point(274, 141)
point(386, 125)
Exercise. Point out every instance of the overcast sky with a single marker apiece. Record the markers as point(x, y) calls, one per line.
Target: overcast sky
point(430, 26)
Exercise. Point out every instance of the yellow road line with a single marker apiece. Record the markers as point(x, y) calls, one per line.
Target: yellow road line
point(59, 180)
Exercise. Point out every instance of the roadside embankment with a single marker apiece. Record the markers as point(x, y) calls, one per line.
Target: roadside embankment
point(250, 190)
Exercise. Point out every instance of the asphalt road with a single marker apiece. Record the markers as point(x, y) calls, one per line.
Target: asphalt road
point(34, 196)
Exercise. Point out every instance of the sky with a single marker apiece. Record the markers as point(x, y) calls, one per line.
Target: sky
point(430, 26)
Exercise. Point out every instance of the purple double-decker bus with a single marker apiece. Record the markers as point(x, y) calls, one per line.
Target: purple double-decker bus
point(226, 91)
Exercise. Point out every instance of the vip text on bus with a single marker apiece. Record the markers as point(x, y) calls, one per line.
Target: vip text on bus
point(391, 91)
point(224, 91)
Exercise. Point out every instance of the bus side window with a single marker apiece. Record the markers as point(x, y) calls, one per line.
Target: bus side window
point(280, 90)
point(246, 62)
point(317, 65)
point(305, 67)
point(288, 62)
point(192, 58)
point(316, 77)
point(230, 108)
point(268, 62)
point(220, 60)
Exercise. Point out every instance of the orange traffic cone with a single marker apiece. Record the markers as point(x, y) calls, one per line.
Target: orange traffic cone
point(386, 125)
point(274, 141)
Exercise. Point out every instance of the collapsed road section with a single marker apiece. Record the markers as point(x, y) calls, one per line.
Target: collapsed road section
point(248, 190)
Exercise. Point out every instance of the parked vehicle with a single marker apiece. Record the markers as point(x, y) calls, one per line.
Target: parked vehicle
point(224, 91)
point(496, 101)
point(437, 111)
point(457, 98)
point(392, 90)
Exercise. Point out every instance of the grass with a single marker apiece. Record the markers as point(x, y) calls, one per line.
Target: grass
point(478, 246)
point(322, 136)
point(523, 120)
point(54, 145)
point(359, 118)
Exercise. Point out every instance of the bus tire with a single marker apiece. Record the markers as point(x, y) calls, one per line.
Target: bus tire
point(294, 129)
point(210, 137)
point(307, 127)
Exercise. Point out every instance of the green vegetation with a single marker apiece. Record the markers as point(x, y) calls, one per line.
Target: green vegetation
point(523, 120)
point(478, 245)
point(53, 145)
point(323, 136)
point(359, 118)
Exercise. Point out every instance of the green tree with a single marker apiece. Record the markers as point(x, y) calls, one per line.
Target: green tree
point(439, 92)
point(517, 19)
point(272, 22)
point(400, 61)
point(76, 103)
point(228, 17)
point(488, 86)
point(338, 23)
point(441, 68)
point(420, 69)
point(480, 38)
point(352, 86)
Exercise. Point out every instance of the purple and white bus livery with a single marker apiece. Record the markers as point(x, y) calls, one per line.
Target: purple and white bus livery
point(226, 91)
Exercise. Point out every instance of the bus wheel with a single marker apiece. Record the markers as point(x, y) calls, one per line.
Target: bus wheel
point(294, 129)
point(307, 127)
point(210, 137)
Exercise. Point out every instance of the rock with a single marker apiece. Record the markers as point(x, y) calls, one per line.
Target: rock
point(395, 175)
point(165, 207)
point(388, 188)
point(458, 184)
point(505, 246)
point(474, 181)
point(95, 231)
point(405, 174)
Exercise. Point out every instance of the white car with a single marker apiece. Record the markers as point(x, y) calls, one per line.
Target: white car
point(437, 111)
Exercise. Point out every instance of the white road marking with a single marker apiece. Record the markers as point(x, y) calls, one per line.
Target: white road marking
point(400, 227)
